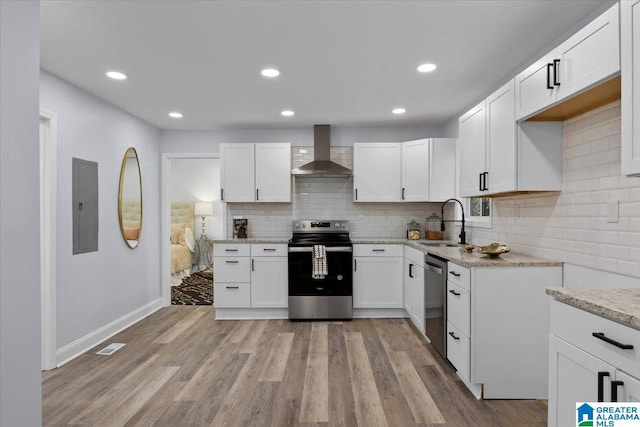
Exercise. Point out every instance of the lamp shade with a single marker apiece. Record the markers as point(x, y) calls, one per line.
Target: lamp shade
point(204, 209)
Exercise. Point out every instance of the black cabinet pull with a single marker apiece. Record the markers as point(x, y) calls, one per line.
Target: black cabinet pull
point(454, 336)
point(231, 250)
point(269, 249)
point(601, 336)
point(601, 376)
point(411, 270)
point(222, 194)
point(355, 264)
point(549, 67)
point(480, 182)
point(484, 181)
point(454, 293)
point(454, 273)
point(403, 193)
point(614, 389)
point(252, 267)
point(233, 287)
point(232, 262)
point(556, 70)
point(377, 250)
point(356, 194)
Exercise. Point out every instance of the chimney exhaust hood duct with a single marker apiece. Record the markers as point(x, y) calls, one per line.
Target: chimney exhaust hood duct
point(322, 164)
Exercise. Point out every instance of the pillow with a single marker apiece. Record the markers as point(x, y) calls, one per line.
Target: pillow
point(177, 234)
point(131, 233)
point(189, 239)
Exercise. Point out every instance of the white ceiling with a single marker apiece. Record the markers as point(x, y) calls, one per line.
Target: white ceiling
point(345, 63)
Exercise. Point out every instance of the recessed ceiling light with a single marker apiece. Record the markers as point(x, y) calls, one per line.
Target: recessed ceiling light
point(426, 68)
point(175, 115)
point(287, 113)
point(270, 72)
point(398, 110)
point(116, 75)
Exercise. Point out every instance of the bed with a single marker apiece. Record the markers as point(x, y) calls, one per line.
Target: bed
point(182, 240)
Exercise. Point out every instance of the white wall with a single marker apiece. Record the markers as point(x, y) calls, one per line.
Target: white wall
point(199, 180)
point(97, 288)
point(208, 141)
point(20, 384)
point(572, 226)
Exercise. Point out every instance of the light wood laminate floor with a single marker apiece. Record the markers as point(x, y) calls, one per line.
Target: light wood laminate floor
point(181, 367)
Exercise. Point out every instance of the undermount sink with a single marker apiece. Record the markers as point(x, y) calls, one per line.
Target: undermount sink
point(440, 244)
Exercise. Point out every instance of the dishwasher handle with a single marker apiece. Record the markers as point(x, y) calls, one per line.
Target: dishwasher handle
point(434, 268)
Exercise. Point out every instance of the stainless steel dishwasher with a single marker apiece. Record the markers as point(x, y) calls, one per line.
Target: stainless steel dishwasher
point(435, 304)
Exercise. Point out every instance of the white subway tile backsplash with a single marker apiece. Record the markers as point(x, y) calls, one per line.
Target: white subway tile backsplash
point(572, 226)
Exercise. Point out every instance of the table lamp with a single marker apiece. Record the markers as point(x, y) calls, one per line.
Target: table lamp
point(203, 210)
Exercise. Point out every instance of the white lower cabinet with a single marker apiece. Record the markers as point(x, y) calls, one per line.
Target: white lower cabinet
point(250, 275)
point(584, 368)
point(498, 328)
point(269, 282)
point(414, 302)
point(377, 276)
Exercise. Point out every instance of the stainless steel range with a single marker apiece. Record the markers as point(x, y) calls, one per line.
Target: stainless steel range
point(320, 296)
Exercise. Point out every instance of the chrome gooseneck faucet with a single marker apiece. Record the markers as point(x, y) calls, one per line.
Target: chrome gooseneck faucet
point(462, 234)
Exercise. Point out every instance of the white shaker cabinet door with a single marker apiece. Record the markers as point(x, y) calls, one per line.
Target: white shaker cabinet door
point(269, 282)
point(471, 138)
point(237, 172)
point(377, 282)
point(501, 140)
point(273, 172)
point(377, 174)
point(590, 55)
point(415, 171)
point(534, 87)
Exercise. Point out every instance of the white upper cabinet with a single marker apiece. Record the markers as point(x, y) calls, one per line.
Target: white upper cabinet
point(499, 155)
point(255, 172)
point(472, 138)
point(415, 171)
point(630, 43)
point(412, 171)
point(377, 172)
point(501, 140)
point(588, 57)
point(273, 172)
point(237, 173)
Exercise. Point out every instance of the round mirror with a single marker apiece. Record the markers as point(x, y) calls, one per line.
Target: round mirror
point(130, 198)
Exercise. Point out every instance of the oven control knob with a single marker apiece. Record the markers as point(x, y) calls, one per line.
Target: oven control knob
point(304, 225)
point(297, 225)
point(337, 225)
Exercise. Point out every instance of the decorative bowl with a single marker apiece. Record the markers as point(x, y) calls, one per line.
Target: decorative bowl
point(469, 248)
point(494, 250)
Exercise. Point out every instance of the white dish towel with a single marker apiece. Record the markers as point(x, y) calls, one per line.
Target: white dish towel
point(319, 255)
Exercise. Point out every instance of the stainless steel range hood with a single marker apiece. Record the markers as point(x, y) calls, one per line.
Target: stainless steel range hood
point(322, 164)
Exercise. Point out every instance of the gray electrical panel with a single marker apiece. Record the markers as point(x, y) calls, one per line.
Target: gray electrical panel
point(85, 206)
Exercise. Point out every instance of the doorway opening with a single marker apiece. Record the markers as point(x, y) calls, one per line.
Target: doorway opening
point(193, 217)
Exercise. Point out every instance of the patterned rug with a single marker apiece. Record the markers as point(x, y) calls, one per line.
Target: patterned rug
point(196, 289)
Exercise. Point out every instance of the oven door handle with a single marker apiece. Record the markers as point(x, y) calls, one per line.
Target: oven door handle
point(329, 249)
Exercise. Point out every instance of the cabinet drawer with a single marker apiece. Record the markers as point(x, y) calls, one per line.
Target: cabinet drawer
point(460, 276)
point(577, 326)
point(458, 350)
point(232, 269)
point(232, 295)
point(377, 250)
point(231, 249)
point(459, 307)
point(273, 249)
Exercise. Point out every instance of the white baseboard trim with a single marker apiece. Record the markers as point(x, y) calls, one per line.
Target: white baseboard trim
point(83, 344)
point(360, 313)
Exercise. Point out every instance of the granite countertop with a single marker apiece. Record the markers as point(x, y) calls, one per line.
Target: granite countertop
point(459, 256)
point(620, 305)
point(254, 240)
